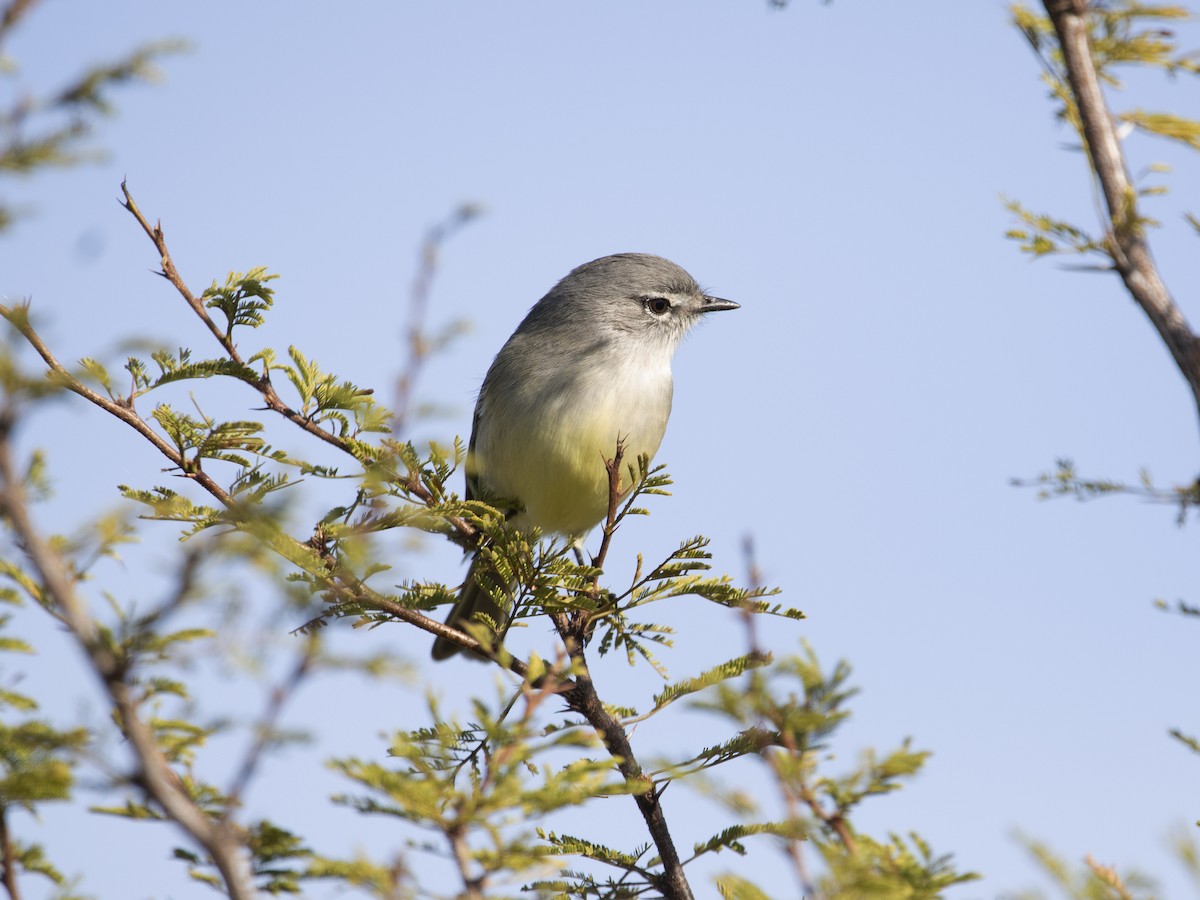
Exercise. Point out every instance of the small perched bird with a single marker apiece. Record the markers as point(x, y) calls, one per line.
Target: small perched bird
point(590, 364)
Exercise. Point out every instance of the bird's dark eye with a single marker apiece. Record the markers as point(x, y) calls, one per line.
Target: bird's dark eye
point(658, 305)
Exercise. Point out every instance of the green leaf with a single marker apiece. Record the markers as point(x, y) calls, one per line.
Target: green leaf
point(242, 299)
point(1166, 125)
point(568, 845)
point(730, 838)
point(734, 887)
point(723, 672)
point(1044, 235)
point(179, 367)
point(98, 372)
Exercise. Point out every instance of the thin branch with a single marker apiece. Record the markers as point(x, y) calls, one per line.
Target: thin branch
point(754, 581)
point(9, 861)
point(13, 12)
point(411, 483)
point(18, 317)
point(1127, 243)
point(172, 275)
point(613, 468)
point(347, 588)
point(418, 304)
point(473, 886)
point(793, 848)
point(583, 699)
point(341, 584)
point(154, 772)
point(269, 721)
point(834, 820)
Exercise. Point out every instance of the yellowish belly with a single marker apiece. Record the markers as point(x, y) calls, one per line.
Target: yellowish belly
point(554, 465)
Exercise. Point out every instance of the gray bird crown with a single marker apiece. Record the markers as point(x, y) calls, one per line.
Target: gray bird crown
point(625, 294)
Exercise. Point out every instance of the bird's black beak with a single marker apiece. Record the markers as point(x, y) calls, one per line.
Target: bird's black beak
point(716, 304)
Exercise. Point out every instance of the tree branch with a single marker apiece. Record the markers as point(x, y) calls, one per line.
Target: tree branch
point(583, 699)
point(268, 723)
point(9, 860)
point(1126, 238)
point(18, 317)
point(344, 586)
point(13, 12)
point(154, 772)
point(473, 886)
point(418, 304)
point(262, 384)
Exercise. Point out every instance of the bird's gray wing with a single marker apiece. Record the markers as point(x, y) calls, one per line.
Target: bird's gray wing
point(474, 489)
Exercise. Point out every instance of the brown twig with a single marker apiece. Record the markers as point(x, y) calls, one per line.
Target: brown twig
point(341, 584)
point(172, 275)
point(794, 850)
point(19, 319)
point(13, 12)
point(268, 722)
point(472, 885)
point(583, 699)
point(754, 579)
point(613, 468)
point(9, 860)
point(577, 626)
point(834, 819)
point(262, 383)
point(154, 772)
point(1126, 241)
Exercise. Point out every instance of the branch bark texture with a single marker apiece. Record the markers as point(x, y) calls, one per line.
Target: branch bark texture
point(583, 698)
point(1128, 247)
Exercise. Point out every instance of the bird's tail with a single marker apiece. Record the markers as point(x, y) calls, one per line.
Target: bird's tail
point(472, 600)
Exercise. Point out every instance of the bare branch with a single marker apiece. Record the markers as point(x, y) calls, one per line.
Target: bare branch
point(418, 304)
point(13, 12)
point(834, 819)
point(473, 886)
point(613, 468)
point(172, 275)
point(269, 721)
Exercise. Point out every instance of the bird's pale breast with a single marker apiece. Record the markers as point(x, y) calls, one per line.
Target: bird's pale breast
point(547, 446)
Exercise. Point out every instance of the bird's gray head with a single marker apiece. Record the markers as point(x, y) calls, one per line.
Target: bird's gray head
point(628, 295)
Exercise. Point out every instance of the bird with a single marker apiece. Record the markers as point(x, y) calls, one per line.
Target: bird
point(589, 365)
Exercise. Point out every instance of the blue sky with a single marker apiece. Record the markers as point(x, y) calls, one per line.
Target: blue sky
point(836, 169)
